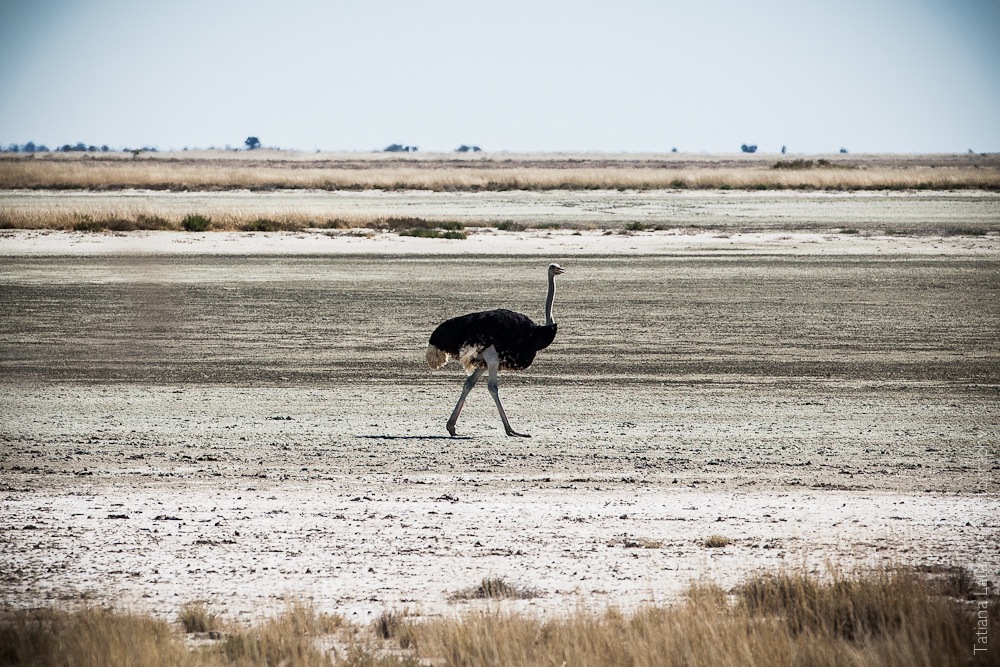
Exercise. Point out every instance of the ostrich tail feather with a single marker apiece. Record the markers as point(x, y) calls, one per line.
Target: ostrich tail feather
point(436, 357)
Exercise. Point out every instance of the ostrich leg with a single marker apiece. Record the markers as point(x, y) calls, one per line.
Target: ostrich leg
point(470, 382)
point(493, 363)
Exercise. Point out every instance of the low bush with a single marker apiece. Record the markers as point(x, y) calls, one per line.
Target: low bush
point(423, 232)
point(196, 223)
point(268, 225)
point(88, 223)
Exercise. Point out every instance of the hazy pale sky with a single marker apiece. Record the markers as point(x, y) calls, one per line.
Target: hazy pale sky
point(815, 75)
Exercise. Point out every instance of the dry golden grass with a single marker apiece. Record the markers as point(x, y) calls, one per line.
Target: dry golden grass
point(364, 172)
point(119, 218)
point(98, 637)
point(278, 170)
point(885, 618)
point(716, 542)
point(289, 639)
point(90, 637)
point(195, 617)
point(890, 617)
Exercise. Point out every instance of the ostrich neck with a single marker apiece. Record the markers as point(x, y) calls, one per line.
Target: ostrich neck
point(548, 301)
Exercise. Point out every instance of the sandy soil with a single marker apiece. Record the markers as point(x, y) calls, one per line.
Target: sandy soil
point(221, 418)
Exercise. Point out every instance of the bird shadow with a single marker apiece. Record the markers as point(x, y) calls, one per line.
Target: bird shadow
point(416, 437)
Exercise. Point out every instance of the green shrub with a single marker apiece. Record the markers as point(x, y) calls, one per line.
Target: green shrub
point(268, 225)
point(421, 232)
point(196, 223)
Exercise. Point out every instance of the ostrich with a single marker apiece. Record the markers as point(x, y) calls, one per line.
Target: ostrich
point(492, 340)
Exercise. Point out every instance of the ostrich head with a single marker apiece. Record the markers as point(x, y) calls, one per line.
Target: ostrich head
point(555, 270)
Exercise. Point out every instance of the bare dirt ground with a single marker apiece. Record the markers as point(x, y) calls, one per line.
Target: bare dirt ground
point(242, 427)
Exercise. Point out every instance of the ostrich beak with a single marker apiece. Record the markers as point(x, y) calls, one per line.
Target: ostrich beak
point(558, 270)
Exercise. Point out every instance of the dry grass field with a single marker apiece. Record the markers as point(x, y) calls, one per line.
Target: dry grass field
point(263, 170)
point(891, 618)
point(266, 191)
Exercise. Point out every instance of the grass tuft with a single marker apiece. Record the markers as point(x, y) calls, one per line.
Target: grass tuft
point(716, 542)
point(496, 588)
point(852, 608)
point(707, 594)
point(289, 639)
point(194, 617)
point(393, 625)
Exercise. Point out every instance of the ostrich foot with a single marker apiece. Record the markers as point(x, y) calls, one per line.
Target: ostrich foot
point(451, 429)
point(512, 432)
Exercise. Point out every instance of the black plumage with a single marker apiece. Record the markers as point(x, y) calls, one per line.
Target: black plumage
point(492, 340)
point(515, 337)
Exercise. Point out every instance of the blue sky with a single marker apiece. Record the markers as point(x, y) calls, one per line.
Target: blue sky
point(871, 76)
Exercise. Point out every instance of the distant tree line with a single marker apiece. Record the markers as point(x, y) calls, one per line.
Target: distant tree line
point(253, 143)
point(32, 147)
